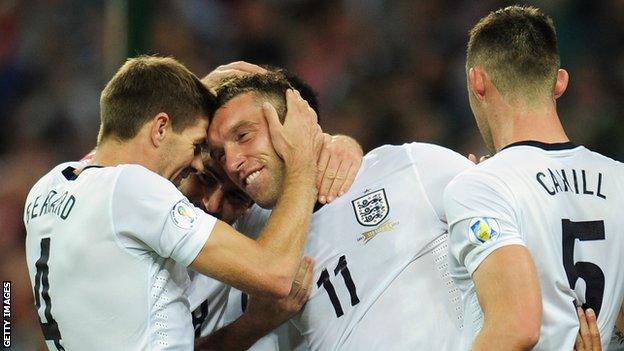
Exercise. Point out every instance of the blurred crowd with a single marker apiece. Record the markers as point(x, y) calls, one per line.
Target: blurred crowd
point(385, 71)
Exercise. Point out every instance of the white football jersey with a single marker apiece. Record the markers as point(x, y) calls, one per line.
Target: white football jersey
point(564, 203)
point(107, 252)
point(381, 277)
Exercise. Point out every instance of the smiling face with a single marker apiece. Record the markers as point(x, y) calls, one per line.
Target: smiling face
point(239, 139)
point(182, 152)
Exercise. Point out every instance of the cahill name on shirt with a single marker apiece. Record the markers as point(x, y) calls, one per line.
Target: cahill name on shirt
point(571, 180)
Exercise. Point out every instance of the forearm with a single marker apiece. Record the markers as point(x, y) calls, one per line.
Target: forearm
point(502, 337)
point(238, 335)
point(285, 234)
point(509, 295)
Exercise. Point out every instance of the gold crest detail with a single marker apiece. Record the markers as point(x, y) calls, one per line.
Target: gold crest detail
point(383, 227)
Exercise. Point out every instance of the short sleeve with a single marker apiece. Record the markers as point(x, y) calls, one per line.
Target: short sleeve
point(150, 214)
point(437, 166)
point(481, 218)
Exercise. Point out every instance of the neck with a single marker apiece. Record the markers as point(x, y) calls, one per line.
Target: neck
point(521, 121)
point(112, 153)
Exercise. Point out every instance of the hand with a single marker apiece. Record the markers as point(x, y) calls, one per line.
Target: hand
point(338, 164)
point(234, 69)
point(473, 158)
point(274, 313)
point(298, 141)
point(588, 337)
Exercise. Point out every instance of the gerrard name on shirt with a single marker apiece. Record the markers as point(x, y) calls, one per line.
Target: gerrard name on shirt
point(55, 203)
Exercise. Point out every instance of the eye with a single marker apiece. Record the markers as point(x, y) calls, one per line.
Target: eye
point(200, 148)
point(242, 136)
point(218, 155)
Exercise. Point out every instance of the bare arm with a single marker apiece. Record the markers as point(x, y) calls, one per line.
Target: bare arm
point(262, 316)
point(268, 265)
point(509, 294)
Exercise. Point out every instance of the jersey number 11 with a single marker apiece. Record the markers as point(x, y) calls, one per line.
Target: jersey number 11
point(329, 287)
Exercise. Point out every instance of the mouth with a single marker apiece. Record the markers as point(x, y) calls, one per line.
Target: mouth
point(250, 178)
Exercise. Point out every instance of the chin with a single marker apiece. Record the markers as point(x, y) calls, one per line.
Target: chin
point(267, 204)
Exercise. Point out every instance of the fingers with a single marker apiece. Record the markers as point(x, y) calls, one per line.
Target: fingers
point(594, 333)
point(270, 114)
point(329, 177)
point(243, 66)
point(472, 158)
point(351, 173)
point(339, 181)
point(321, 164)
point(588, 336)
point(302, 294)
point(583, 334)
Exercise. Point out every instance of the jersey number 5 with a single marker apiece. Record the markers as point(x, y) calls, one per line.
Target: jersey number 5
point(589, 272)
point(42, 287)
point(329, 287)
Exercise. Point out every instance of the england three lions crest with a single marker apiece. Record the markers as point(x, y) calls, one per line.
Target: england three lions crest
point(371, 208)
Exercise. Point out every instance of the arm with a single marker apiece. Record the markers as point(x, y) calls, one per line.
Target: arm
point(338, 164)
point(509, 294)
point(268, 264)
point(262, 316)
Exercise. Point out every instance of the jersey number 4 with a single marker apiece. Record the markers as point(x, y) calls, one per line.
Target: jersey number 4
point(42, 287)
point(592, 274)
point(329, 287)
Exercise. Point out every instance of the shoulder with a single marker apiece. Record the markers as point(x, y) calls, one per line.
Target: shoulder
point(54, 175)
point(419, 153)
point(141, 178)
point(137, 183)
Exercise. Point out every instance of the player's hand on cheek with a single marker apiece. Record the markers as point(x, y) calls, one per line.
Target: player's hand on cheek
point(298, 141)
point(339, 162)
point(234, 69)
point(275, 312)
point(588, 337)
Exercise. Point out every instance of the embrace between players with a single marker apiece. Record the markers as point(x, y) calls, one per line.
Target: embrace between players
point(490, 263)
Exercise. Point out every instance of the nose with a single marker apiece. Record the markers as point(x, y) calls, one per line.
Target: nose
point(198, 163)
point(233, 163)
point(214, 201)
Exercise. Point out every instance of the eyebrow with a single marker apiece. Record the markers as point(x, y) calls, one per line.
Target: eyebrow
point(240, 125)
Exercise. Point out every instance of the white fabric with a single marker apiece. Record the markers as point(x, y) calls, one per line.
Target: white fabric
point(527, 194)
point(114, 283)
point(406, 298)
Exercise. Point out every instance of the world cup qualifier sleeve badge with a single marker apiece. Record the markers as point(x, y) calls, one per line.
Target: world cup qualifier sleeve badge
point(371, 208)
point(482, 229)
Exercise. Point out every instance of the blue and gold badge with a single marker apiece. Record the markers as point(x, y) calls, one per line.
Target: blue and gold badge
point(482, 229)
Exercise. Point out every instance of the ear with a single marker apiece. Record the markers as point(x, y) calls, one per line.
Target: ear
point(159, 126)
point(562, 83)
point(476, 82)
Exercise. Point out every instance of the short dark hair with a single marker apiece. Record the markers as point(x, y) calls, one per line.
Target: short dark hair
point(306, 91)
point(145, 86)
point(271, 86)
point(517, 46)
